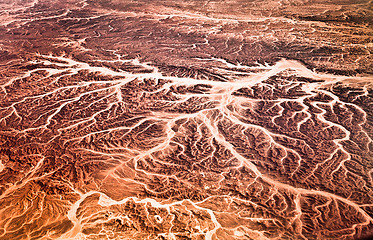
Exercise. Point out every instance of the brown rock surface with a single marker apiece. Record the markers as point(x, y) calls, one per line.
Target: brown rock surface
point(186, 119)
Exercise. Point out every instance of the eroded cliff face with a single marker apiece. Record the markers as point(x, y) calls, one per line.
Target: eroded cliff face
point(186, 119)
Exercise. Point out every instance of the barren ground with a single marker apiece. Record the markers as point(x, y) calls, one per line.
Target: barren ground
point(175, 120)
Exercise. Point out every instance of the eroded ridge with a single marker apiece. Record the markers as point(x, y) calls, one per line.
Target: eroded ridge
point(105, 136)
